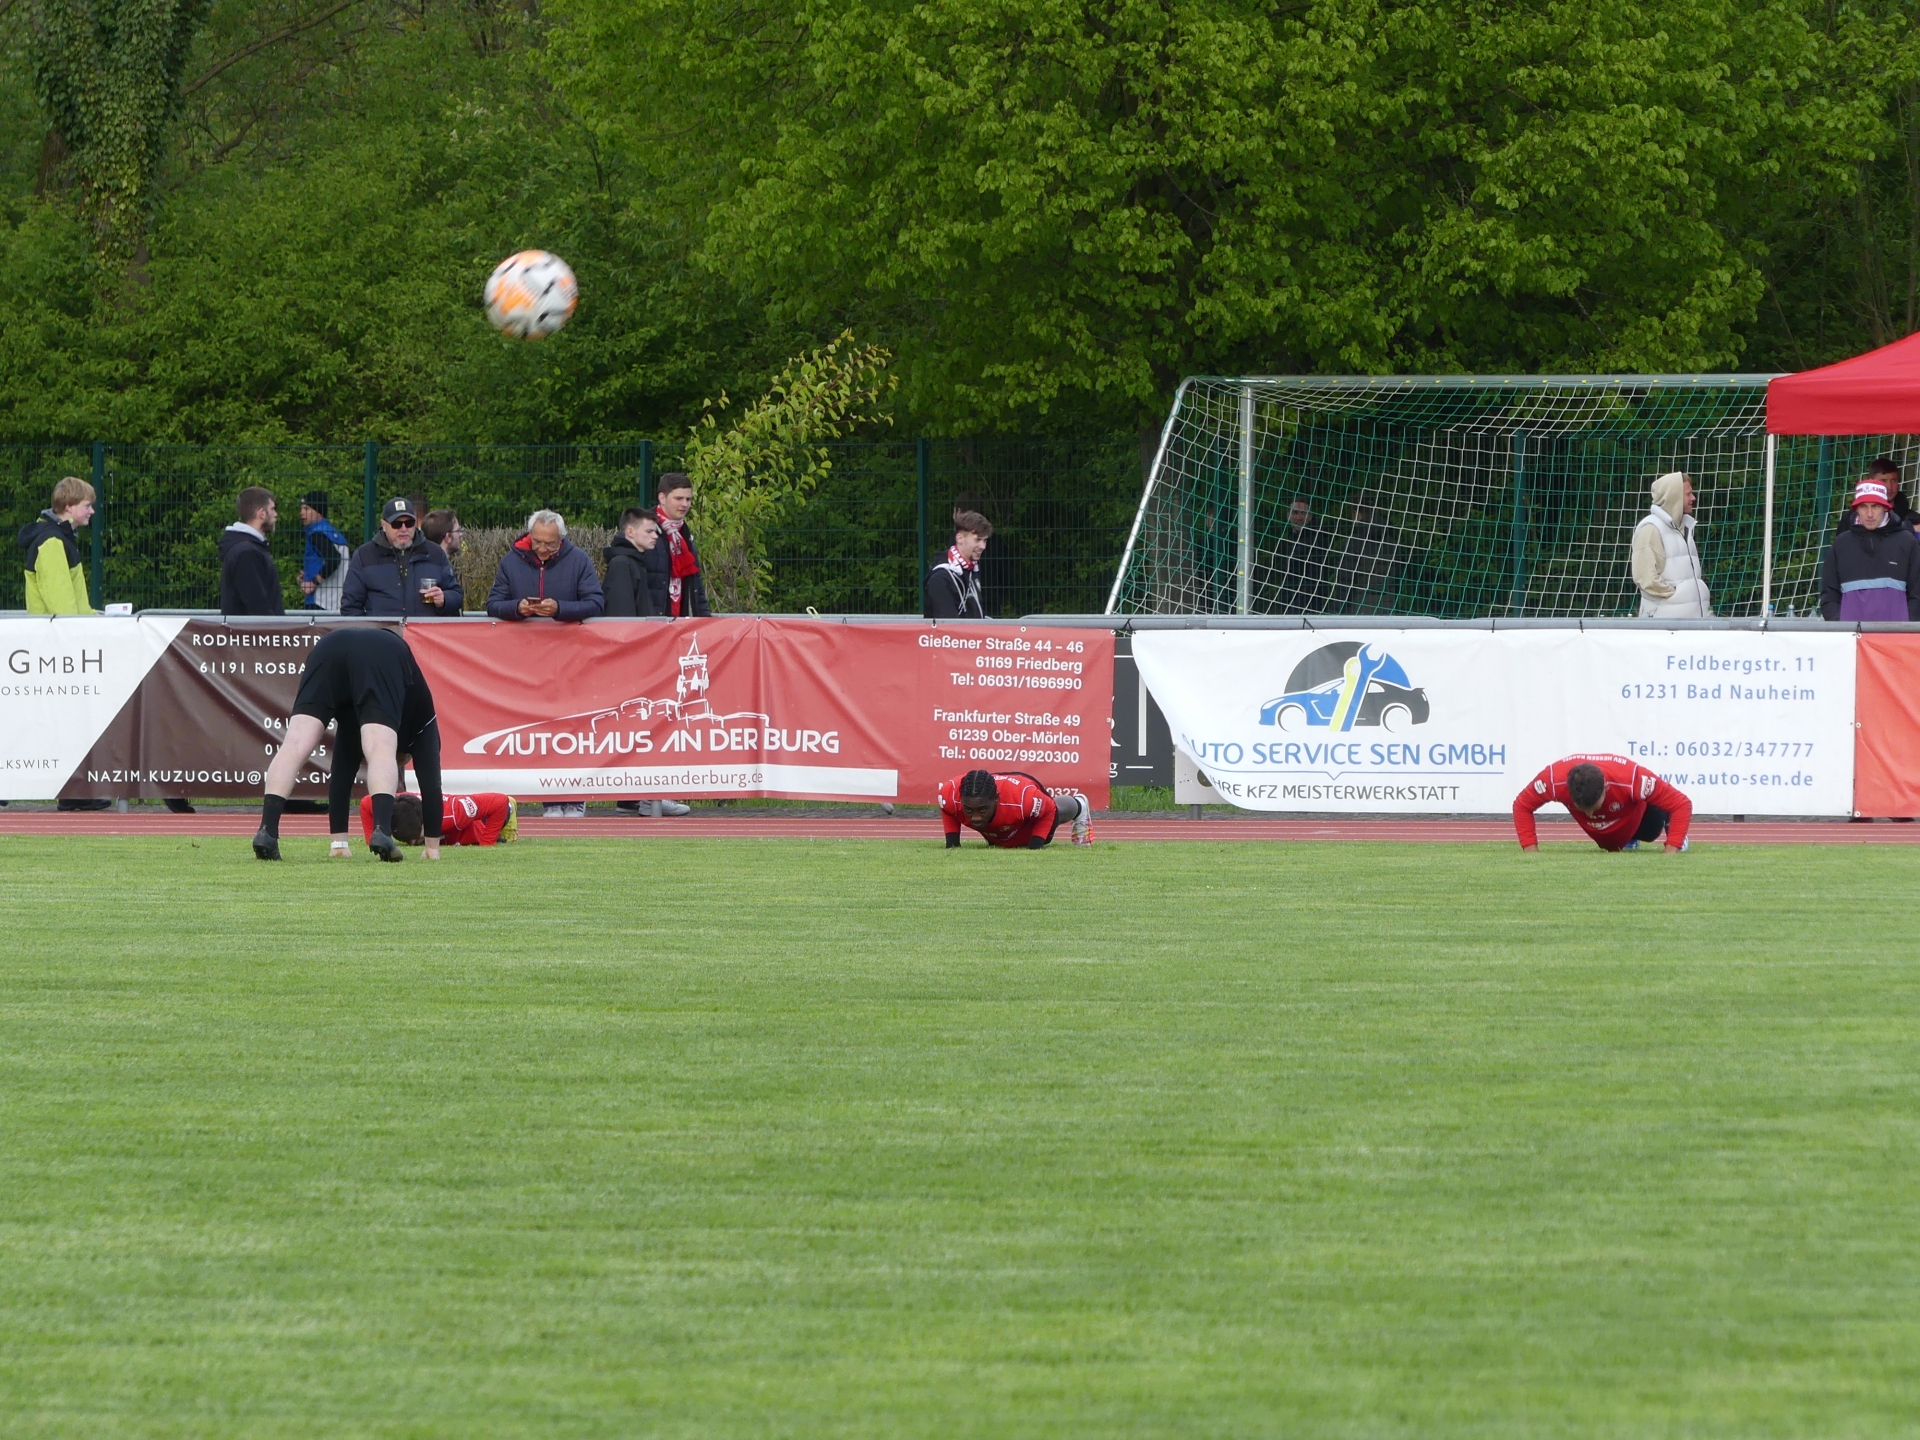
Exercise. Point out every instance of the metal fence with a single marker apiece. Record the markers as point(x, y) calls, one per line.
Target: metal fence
point(860, 544)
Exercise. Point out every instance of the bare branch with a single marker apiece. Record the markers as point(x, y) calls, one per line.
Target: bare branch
point(266, 42)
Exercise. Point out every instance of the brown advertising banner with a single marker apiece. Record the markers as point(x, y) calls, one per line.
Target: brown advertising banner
point(151, 707)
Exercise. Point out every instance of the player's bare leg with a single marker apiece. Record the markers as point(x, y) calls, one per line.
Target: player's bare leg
point(304, 734)
point(381, 745)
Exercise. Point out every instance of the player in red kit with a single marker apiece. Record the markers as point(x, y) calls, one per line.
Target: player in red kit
point(1614, 800)
point(484, 819)
point(1014, 812)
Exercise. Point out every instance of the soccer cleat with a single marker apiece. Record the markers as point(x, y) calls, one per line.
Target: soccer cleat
point(511, 829)
point(382, 845)
point(1083, 822)
point(1630, 845)
point(265, 846)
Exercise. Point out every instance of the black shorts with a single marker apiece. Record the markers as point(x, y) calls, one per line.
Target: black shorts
point(1653, 824)
point(360, 676)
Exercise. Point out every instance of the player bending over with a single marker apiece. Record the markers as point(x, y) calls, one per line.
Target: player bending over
point(366, 681)
point(1614, 800)
point(484, 819)
point(1014, 812)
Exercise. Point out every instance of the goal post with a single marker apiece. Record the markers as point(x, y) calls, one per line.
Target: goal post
point(1475, 496)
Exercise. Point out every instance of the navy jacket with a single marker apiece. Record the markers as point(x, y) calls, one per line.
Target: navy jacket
point(1872, 574)
point(384, 581)
point(568, 578)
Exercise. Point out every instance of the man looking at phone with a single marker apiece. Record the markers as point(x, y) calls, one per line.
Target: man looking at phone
point(400, 571)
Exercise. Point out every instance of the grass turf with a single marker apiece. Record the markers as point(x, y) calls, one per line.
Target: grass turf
point(691, 1138)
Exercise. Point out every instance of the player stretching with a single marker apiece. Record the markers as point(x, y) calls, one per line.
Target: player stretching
point(1614, 800)
point(483, 819)
point(368, 682)
point(1014, 812)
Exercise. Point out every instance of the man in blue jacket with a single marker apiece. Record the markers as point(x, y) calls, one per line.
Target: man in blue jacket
point(544, 575)
point(400, 571)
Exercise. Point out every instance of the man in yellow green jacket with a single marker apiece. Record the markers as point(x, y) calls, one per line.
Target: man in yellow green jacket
point(56, 581)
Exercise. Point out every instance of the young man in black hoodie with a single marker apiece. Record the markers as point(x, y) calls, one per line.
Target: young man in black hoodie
point(628, 593)
point(249, 580)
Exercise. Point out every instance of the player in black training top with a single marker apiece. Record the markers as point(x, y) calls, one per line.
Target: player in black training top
point(367, 681)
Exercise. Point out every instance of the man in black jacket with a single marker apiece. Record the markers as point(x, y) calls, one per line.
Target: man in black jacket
point(249, 580)
point(952, 588)
point(1872, 572)
point(673, 567)
point(627, 590)
point(400, 571)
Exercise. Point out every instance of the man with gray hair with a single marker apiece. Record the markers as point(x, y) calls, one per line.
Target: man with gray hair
point(544, 575)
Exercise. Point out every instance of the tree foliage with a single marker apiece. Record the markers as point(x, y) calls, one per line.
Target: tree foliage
point(773, 456)
point(108, 75)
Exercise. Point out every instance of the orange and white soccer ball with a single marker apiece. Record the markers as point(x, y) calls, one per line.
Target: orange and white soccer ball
point(531, 295)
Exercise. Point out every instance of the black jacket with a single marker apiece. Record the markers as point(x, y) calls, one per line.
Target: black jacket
point(628, 592)
point(249, 580)
point(659, 563)
point(951, 593)
point(384, 581)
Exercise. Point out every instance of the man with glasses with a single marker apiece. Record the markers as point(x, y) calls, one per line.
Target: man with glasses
point(400, 571)
point(545, 576)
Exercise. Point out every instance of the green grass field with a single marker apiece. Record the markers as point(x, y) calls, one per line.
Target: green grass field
point(720, 1138)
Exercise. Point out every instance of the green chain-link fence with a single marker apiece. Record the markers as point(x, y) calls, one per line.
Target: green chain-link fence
point(860, 544)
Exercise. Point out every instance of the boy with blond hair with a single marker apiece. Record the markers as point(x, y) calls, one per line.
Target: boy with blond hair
point(56, 580)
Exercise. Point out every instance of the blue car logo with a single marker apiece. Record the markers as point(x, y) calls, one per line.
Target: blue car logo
point(1345, 685)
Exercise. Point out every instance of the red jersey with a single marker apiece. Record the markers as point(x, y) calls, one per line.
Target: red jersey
point(1025, 811)
point(464, 819)
point(1631, 789)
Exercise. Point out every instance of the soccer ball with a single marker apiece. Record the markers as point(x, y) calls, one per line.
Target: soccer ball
point(531, 295)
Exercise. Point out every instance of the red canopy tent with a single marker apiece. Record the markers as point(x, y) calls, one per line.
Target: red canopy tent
point(1877, 393)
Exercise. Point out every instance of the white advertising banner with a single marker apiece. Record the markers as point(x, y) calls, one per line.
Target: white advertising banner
point(1455, 721)
point(63, 679)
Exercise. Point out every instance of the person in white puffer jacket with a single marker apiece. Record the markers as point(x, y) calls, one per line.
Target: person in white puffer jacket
point(1666, 562)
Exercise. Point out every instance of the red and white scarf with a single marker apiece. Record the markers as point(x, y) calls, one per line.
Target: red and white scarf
point(954, 559)
point(680, 555)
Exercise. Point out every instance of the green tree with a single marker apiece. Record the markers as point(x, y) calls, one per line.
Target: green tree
point(1068, 204)
point(108, 74)
point(774, 455)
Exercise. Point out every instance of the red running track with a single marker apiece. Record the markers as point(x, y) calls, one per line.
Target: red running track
point(764, 827)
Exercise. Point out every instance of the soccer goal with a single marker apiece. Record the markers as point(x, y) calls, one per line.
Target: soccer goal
point(1469, 496)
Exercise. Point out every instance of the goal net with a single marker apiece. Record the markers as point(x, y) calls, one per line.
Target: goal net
point(1472, 496)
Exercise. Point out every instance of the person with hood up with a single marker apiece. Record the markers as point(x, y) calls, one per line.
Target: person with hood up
point(1666, 561)
point(544, 575)
point(1872, 571)
point(400, 571)
point(628, 593)
point(56, 580)
point(249, 580)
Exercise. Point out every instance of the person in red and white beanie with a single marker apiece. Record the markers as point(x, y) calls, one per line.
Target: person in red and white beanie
point(1872, 571)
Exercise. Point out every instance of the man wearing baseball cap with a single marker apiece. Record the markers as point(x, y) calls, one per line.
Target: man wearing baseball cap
point(400, 571)
point(1872, 571)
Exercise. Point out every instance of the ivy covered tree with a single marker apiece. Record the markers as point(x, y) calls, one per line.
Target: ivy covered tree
point(108, 74)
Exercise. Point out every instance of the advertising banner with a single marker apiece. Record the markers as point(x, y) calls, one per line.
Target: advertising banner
point(1455, 721)
point(1887, 742)
point(143, 707)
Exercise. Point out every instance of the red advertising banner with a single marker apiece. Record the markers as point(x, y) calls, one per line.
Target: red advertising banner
point(159, 706)
point(1886, 699)
point(766, 707)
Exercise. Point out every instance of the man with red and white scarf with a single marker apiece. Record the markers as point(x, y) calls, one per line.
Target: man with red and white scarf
point(673, 565)
point(952, 591)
